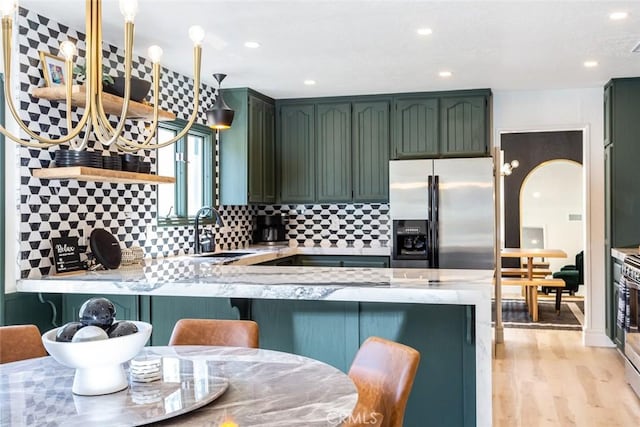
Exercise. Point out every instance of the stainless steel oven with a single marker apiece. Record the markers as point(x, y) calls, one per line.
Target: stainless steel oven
point(629, 319)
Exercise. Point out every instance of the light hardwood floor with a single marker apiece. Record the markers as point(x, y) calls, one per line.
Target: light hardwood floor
point(548, 378)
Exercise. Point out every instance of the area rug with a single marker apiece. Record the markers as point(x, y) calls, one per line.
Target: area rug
point(515, 315)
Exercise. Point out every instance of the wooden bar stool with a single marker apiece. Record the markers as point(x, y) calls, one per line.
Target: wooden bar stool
point(20, 342)
point(232, 333)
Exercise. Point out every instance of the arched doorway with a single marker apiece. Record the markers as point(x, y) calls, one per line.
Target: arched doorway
point(551, 203)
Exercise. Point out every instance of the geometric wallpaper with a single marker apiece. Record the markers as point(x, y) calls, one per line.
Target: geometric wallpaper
point(52, 208)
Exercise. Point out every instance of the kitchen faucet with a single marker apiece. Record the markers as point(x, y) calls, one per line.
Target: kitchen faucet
point(206, 211)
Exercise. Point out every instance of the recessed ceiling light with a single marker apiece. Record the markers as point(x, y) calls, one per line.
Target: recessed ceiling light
point(590, 64)
point(309, 82)
point(252, 45)
point(616, 16)
point(445, 73)
point(424, 31)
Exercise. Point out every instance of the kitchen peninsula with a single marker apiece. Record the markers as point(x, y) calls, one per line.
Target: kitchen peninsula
point(325, 313)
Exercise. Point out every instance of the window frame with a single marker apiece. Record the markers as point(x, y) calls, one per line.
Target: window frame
point(180, 215)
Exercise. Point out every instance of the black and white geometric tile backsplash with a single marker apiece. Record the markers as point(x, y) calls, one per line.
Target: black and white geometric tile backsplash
point(336, 225)
point(51, 208)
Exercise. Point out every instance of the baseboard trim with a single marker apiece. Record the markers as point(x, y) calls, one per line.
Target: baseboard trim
point(596, 339)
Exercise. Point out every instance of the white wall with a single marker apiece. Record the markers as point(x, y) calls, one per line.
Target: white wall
point(564, 110)
point(548, 196)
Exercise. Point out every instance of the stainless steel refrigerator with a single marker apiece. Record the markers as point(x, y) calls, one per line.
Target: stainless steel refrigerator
point(447, 205)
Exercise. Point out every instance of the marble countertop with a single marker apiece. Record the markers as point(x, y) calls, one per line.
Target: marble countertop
point(621, 253)
point(263, 389)
point(199, 276)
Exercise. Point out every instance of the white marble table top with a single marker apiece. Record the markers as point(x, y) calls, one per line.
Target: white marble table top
point(265, 388)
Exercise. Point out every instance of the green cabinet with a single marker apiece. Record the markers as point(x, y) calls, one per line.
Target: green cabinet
point(262, 159)
point(333, 152)
point(622, 199)
point(444, 391)
point(350, 157)
point(247, 150)
point(296, 136)
point(370, 121)
point(369, 261)
point(608, 106)
point(337, 150)
point(166, 311)
point(463, 124)
point(444, 124)
point(416, 132)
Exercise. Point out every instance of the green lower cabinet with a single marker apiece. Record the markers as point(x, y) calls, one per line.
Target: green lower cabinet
point(126, 306)
point(166, 311)
point(444, 390)
point(318, 261)
point(342, 261)
point(26, 308)
point(443, 393)
point(366, 261)
point(324, 330)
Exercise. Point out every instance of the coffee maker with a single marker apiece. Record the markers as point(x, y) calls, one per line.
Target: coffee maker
point(269, 229)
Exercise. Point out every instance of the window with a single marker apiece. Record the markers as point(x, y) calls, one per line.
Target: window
point(192, 161)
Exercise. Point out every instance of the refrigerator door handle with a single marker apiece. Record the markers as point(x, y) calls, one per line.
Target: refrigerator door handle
point(435, 202)
point(430, 247)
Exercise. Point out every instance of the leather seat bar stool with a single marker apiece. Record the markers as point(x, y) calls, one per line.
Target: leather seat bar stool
point(20, 342)
point(233, 333)
point(383, 372)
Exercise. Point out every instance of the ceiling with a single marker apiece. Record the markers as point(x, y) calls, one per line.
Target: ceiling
point(364, 47)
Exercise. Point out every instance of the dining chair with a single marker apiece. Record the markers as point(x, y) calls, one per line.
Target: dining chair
point(234, 333)
point(383, 372)
point(20, 342)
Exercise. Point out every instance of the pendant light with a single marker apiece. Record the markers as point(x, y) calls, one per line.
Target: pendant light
point(220, 115)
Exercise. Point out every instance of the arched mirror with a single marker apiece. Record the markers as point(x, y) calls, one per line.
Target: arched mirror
point(551, 209)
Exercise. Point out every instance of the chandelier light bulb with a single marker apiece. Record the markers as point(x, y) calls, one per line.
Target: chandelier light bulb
point(515, 163)
point(155, 53)
point(128, 8)
point(8, 7)
point(67, 49)
point(196, 34)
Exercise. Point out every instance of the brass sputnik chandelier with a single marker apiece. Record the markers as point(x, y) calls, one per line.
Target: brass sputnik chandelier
point(94, 117)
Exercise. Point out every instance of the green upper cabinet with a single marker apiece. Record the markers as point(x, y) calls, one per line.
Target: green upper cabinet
point(296, 129)
point(464, 126)
point(441, 124)
point(416, 132)
point(333, 152)
point(247, 173)
point(262, 180)
point(370, 123)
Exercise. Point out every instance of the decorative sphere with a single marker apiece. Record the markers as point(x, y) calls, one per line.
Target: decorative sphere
point(122, 328)
point(90, 333)
point(66, 332)
point(97, 312)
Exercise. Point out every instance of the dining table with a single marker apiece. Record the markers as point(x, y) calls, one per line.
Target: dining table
point(529, 280)
point(199, 386)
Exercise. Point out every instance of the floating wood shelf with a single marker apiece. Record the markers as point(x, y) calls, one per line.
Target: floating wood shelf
point(112, 103)
point(83, 173)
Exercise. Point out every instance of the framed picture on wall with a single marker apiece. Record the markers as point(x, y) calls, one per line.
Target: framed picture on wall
point(53, 70)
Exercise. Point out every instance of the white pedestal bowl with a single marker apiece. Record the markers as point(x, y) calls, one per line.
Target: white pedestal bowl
point(98, 364)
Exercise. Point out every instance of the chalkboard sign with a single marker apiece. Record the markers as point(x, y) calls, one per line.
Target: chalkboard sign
point(66, 254)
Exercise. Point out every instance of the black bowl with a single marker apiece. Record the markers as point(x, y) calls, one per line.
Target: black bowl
point(139, 88)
